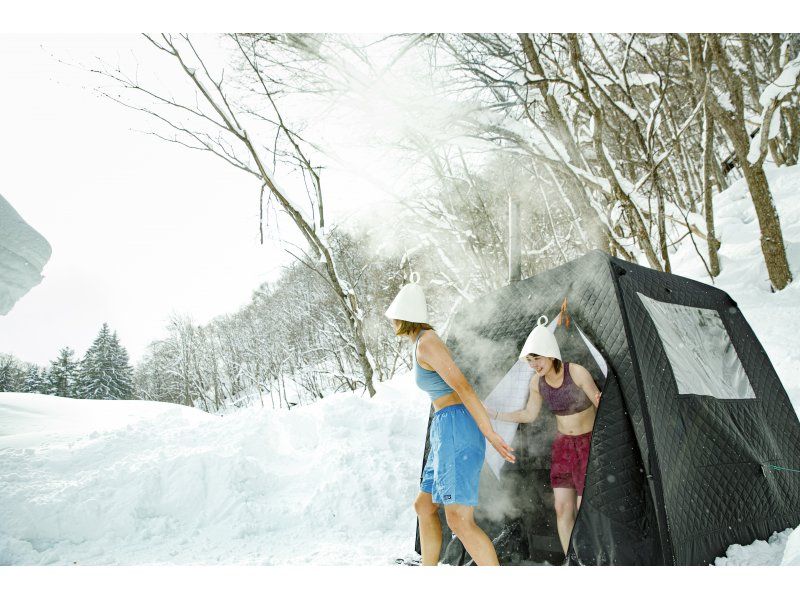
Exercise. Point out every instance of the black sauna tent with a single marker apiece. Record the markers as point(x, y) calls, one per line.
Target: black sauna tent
point(693, 440)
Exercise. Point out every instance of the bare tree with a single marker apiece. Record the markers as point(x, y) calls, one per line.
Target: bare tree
point(217, 124)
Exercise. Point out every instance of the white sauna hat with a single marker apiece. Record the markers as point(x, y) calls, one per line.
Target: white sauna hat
point(541, 342)
point(410, 304)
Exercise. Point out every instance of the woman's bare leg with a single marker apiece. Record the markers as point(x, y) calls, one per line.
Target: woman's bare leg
point(478, 545)
point(566, 509)
point(430, 528)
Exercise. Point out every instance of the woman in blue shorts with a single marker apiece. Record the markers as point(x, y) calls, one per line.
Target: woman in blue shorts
point(460, 424)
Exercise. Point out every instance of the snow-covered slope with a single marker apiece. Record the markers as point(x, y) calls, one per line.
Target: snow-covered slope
point(130, 482)
point(98, 482)
point(23, 254)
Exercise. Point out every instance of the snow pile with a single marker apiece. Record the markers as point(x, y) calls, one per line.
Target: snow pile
point(791, 554)
point(772, 552)
point(129, 482)
point(23, 254)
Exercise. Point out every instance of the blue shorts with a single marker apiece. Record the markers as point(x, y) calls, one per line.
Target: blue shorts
point(455, 458)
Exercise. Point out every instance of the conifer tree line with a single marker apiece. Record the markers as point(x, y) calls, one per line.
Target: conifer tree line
point(103, 373)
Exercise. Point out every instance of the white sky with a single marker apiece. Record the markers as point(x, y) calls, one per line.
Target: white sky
point(139, 227)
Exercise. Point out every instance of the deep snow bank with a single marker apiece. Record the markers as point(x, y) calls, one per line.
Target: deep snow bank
point(782, 548)
point(102, 482)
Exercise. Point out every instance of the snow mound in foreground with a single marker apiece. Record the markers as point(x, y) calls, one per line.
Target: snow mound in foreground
point(782, 548)
point(129, 482)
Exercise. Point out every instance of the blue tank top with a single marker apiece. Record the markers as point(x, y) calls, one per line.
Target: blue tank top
point(429, 380)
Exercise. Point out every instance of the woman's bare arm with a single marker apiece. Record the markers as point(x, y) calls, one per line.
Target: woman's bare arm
point(584, 380)
point(531, 410)
point(432, 351)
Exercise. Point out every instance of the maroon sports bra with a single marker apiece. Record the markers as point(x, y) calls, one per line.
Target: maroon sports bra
point(567, 399)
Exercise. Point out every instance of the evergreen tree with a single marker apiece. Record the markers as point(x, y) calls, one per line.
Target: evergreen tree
point(12, 374)
point(105, 371)
point(62, 378)
point(122, 369)
point(35, 380)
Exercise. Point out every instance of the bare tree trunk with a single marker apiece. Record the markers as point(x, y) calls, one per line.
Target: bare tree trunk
point(708, 157)
point(662, 230)
point(769, 223)
point(514, 241)
point(792, 147)
point(258, 385)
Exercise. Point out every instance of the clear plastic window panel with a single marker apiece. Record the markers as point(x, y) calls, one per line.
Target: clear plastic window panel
point(700, 351)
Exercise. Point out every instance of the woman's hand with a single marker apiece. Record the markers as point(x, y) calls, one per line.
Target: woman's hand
point(501, 447)
point(597, 396)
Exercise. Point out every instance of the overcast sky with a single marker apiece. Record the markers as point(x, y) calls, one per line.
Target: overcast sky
point(139, 228)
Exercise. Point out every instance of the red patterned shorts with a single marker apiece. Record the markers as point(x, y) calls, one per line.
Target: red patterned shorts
point(569, 458)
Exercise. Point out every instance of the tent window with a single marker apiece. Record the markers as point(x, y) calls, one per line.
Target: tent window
point(703, 358)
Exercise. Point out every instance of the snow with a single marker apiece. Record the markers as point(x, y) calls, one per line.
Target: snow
point(134, 482)
point(724, 100)
point(754, 153)
point(332, 482)
point(791, 553)
point(783, 85)
point(23, 254)
point(642, 78)
point(759, 552)
point(629, 111)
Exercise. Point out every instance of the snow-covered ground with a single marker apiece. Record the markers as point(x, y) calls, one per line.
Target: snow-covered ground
point(130, 482)
point(94, 482)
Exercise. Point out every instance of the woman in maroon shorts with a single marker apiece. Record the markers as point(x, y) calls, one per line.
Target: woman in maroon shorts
point(570, 392)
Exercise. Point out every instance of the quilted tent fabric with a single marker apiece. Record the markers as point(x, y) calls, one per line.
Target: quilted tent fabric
point(711, 458)
point(672, 479)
